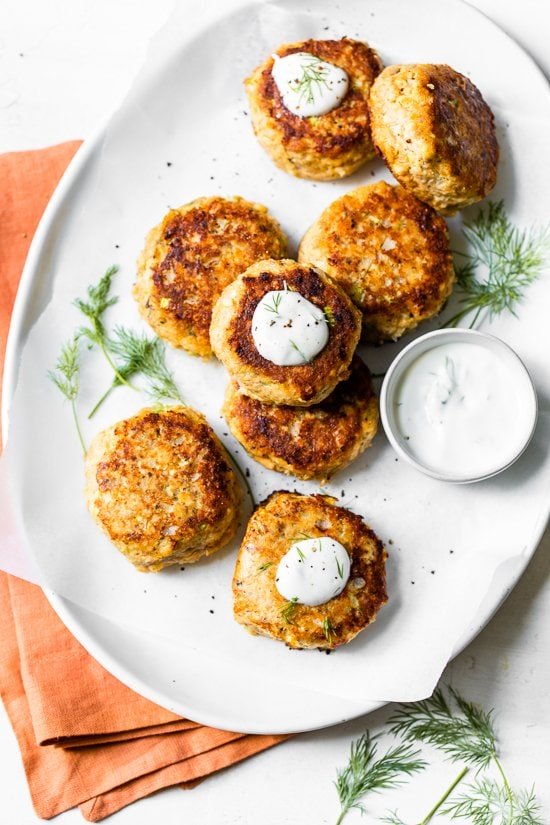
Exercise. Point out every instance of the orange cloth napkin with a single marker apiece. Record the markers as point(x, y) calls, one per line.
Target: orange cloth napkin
point(84, 737)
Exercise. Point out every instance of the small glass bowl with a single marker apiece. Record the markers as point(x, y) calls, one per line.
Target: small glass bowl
point(435, 339)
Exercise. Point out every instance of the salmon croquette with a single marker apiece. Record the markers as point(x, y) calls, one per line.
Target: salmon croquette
point(307, 442)
point(389, 251)
point(286, 332)
point(436, 134)
point(303, 533)
point(325, 146)
point(191, 256)
point(161, 488)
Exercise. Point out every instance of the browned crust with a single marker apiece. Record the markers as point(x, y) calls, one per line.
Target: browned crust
point(160, 486)
point(308, 442)
point(436, 134)
point(329, 146)
point(391, 254)
point(464, 129)
point(271, 530)
point(191, 256)
point(233, 344)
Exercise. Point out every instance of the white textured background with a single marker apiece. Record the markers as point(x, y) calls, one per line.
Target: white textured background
point(64, 65)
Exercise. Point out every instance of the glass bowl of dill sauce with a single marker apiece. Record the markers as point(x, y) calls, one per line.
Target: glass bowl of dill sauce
point(459, 405)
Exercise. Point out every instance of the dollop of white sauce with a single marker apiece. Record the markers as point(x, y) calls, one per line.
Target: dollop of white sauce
point(287, 329)
point(314, 571)
point(308, 85)
point(458, 408)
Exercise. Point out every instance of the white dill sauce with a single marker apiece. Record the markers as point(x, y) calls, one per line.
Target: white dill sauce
point(287, 329)
point(459, 409)
point(313, 571)
point(309, 86)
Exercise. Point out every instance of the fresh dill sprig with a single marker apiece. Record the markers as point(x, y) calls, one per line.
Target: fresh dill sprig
point(295, 346)
point(97, 302)
point(66, 373)
point(464, 732)
point(148, 355)
point(66, 377)
point(265, 566)
point(340, 568)
point(467, 735)
point(301, 537)
point(313, 77)
point(468, 738)
point(287, 613)
point(328, 630)
point(393, 818)
point(503, 260)
point(485, 802)
point(527, 811)
point(132, 350)
point(300, 554)
point(274, 307)
point(137, 353)
point(365, 773)
point(480, 803)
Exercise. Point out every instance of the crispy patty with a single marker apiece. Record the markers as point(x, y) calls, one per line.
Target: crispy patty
point(436, 134)
point(233, 342)
point(307, 442)
point(329, 146)
point(191, 256)
point(391, 254)
point(160, 486)
point(275, 525)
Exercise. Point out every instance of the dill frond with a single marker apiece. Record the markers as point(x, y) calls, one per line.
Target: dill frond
point(301, 537)
point(485, 802)
point(161, 385)
point(482, 803)
point(503, 260)
point(312, 79)
point(66, 373)
point(393, 818)
point(328, 630)
point(295, 346)
point(300, 554)
point(66, 377)
point(527, 811)
point(98, 300)
point(365, 773)
point(287, 613)
point(147, 356)
point(469, 737)
point(276, 303)
point(137, 354)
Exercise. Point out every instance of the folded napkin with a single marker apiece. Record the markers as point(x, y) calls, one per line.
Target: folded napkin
point(84, 737)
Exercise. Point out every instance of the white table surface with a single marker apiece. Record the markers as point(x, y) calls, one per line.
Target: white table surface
point(64, 65)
